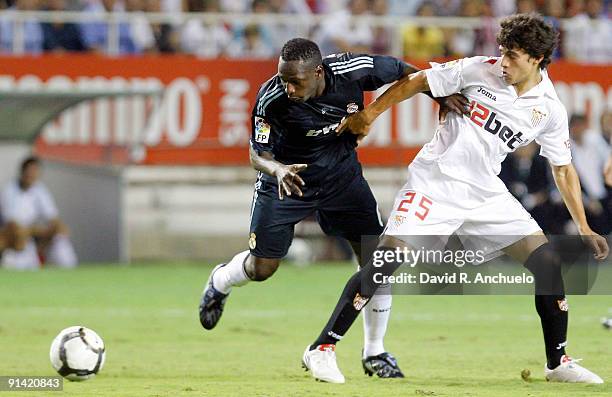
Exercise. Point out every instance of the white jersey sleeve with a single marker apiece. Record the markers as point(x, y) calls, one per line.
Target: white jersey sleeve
point(449, 78)
point(554, 139)
point(46, 204)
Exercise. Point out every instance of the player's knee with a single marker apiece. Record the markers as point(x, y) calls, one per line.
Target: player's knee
point(16, 236)
point(545, 264)
point(62, 228)
point(262, 268)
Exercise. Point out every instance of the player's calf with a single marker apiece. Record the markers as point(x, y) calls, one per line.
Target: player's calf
point(260, 269)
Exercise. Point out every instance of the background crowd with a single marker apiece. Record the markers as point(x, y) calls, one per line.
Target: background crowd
point(584, 25)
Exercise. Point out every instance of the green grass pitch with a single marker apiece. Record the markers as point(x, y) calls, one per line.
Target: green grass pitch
point(147, 315)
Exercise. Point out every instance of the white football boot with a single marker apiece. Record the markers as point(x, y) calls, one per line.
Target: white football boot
point(570, 371)
point(322, 364)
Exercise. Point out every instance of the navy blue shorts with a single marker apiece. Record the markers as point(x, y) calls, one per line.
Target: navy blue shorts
point(345, 208)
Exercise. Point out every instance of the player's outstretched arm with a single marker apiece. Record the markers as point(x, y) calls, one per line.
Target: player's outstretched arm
point(359, 123)
point(453, 103)
point(568, 184)
point(286, 175)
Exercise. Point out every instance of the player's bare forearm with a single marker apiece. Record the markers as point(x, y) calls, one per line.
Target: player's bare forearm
point(410, 69)
point(359, 123)
point(263, 162)
point(287, 177)
point(568, 184)
point(405, 88)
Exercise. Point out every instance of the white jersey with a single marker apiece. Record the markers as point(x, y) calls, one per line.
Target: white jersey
point(472, 148)
point(27, 207)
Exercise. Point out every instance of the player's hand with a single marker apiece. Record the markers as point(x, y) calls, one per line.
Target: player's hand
point(288, 179)
point(357, 123)
point(455, 103)
point(597, 243)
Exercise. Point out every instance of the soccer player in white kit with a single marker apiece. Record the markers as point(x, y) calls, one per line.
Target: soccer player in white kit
point(31, 216)
point(453, 187)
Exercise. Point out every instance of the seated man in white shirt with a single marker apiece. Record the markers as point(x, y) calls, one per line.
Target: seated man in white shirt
point(32, 223)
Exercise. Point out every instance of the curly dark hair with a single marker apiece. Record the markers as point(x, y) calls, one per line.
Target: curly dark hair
point(302, 50)
point(531, 33)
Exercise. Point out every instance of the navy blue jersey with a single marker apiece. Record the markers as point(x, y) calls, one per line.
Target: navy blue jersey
point(305, 132)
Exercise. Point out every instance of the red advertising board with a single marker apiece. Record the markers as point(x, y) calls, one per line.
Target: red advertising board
point(204, 115)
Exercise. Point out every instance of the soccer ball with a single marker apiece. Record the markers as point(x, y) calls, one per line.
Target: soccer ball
point(77, 353)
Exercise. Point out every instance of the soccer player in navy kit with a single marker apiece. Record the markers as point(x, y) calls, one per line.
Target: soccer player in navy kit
point(305, 169)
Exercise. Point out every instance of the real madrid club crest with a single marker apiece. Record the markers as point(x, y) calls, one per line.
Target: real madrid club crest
point(252, 241)
point(536, 117)
point(352, 108)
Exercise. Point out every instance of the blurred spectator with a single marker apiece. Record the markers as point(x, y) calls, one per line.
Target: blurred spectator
point(554, 11)
point(463, 40)
point(486, 35)
point(29, 209)
point(526, 6)
point(608, 173)
point(61, 36)
point(590, 153)
point(297, 26)
point(95, 33)
point(447, 8)
point(140, 28)
point(238, 6)
point(574, 7)
point(299, 7)
point(250, 45)
point(273, 35)
point(166, 39)
point(606, 131)
point(403, 7)
point(589, 35)
point(526, 174)
point(340, 32)
point(424, 42)
point(330, 6)
point(502, 8)
point(606, 125)
point(169, 6)
point(32, 29)
point(204, 39)
point(382, 35)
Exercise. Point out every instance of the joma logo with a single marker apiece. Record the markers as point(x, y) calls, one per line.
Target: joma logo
point(486, 93)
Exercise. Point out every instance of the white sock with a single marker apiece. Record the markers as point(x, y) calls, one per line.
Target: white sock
point(232, 274)
point(375, 319)
point(61, 252)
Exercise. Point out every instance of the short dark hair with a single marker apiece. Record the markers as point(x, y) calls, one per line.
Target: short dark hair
point(301, 50)
point(531, 33)
point(28, 161)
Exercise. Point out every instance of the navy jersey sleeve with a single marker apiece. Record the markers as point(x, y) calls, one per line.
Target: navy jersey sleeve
point(371, 71)
point(262, 134)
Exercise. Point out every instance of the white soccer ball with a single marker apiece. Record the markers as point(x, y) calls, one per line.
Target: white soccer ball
point(77, 353)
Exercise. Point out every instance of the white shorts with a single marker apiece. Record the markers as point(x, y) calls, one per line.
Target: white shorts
point(434, 204)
